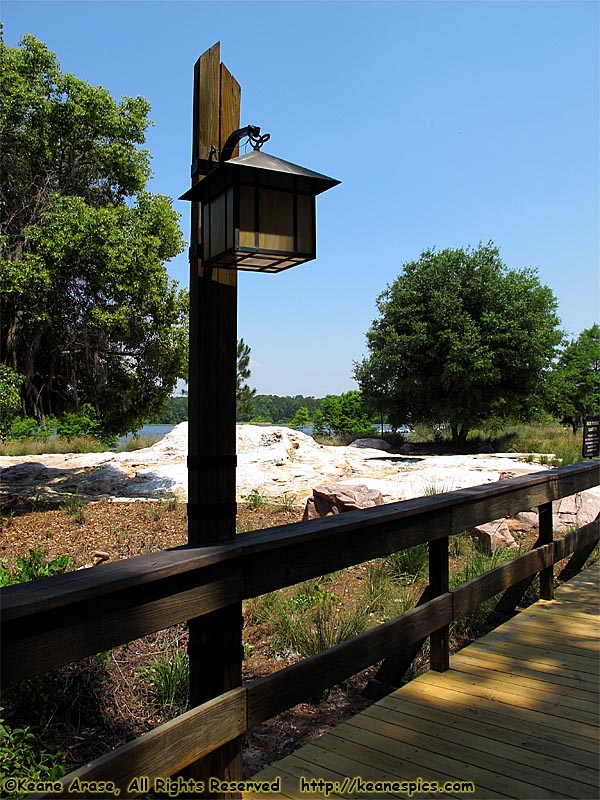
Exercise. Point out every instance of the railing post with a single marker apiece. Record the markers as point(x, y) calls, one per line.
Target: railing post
point(439, 583)
point(546, 536)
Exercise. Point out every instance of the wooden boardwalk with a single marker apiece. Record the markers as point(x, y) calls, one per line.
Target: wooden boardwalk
point(517, 715)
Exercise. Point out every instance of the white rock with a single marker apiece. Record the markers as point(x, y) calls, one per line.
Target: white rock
point(274, 460)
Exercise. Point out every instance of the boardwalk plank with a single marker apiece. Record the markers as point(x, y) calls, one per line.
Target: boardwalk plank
point(516, 713)
point(458, 762)
point(557, 757)
point(579, 698)
point(530, 636)
point(482, 650)
point(368, 754)
point(475, 750)
point(529, 722)
point(548, 714)
point(535, 670)
point(588, 667)
point(513, 695)
point(580, 636)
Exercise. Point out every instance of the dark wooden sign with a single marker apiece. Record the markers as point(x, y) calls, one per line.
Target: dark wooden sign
point(591, 437)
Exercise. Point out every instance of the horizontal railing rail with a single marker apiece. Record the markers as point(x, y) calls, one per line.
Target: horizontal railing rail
point(52, 621)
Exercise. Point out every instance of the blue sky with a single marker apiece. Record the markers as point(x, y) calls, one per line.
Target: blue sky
point(448, 123)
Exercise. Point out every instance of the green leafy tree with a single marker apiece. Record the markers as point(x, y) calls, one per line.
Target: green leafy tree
point(343, 414)
point(319, 427)
point(300, 419)
point(88, 314)
point(10, 398)
point(576, 380)
point(460, 338)
point(243, 393)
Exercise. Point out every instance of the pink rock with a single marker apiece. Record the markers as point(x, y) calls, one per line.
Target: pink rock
point(492, 536)
point(328, 499)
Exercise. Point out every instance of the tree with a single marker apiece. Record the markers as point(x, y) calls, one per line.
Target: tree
point(10, 399)
point(300, 419)
point(343, 414)
point(576, 380)
point(243, 393)
point(88, 314)
point(460, 338)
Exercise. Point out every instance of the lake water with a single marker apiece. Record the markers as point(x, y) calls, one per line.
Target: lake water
point(158, 431)
point(155, 431)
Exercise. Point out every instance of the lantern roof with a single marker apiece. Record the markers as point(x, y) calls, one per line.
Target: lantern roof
point(262, 161)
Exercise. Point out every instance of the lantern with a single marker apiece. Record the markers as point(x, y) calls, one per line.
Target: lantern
point(258, 213)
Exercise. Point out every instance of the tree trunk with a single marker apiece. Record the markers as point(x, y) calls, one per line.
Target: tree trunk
point(459, 435)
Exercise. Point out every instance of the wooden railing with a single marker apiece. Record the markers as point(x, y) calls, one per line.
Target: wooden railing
point(53, 621)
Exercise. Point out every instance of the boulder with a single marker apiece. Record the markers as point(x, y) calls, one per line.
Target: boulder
point(29, 472)
point(371, 444)
point(492, 536)
point(569, 512)
point(329, 499)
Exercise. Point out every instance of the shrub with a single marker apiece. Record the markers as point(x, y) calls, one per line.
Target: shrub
point(33, 566)
point(22, 757)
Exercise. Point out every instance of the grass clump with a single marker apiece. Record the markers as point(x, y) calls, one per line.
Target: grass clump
point(382, 595)
point(157, 510)
point(73, 508)
point(260, 609)
point(286, 502)
point(168, 676)
point(254, 499)
point(314, 619)
point(137, 443)
point(410, 565)
point(21, 753)
point(475, 563)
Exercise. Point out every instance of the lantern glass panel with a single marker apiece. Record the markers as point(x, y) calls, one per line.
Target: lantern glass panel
point(230, 232)
point(247, 216)
point(276, 221)
point(305, 223)
point(217, 226)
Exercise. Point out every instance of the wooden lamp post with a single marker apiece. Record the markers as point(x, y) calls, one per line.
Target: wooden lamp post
point(251, 212)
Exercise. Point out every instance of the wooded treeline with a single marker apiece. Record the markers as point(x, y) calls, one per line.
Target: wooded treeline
point(333, 414)
point(268, 408)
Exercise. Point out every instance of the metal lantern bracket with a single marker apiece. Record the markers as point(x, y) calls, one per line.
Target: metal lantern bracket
point(202, 166)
